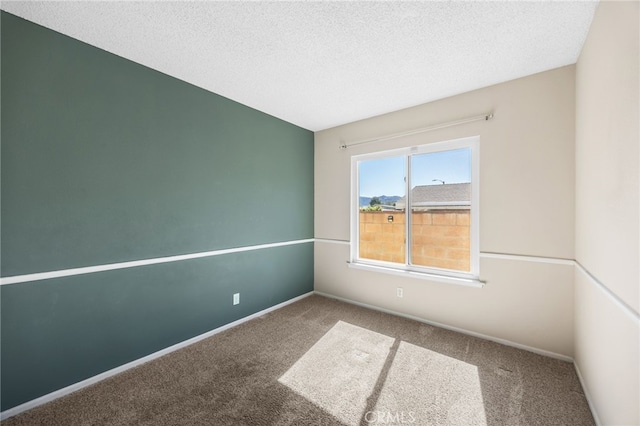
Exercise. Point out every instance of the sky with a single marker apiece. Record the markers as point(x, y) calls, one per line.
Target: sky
point(386, 176)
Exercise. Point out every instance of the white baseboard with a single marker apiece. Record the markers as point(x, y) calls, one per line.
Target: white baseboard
point(543, 352)
point(95, 379)
point(586, 395)
point(448, 327)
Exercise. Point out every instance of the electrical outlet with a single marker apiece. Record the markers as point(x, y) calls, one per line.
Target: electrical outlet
point(236, 299)
point(399, 292)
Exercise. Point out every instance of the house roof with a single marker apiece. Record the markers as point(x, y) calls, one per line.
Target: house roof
point(452, 194)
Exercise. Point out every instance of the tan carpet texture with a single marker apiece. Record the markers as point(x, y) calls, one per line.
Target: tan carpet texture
point(323, 362)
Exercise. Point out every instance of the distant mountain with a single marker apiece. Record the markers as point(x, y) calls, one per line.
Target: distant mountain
point(386, 199)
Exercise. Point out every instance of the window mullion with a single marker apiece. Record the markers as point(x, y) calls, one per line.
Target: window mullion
point(407, 211)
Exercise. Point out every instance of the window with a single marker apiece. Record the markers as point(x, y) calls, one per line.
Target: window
point(437, 236)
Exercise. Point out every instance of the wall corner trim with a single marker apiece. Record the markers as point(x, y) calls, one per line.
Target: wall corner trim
point(628, 310)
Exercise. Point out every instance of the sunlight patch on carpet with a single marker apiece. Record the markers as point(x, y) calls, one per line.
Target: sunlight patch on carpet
point(340, 371)
point(425, 387)
point(360, 376)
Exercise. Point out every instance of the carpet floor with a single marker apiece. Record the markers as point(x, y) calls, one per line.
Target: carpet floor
point(319, 361)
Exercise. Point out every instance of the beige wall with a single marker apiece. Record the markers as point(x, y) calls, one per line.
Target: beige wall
point(559, 170)
point(607, 151)
point(606, 342)
point(526, 208)
point(526, 161)
point(607, 213)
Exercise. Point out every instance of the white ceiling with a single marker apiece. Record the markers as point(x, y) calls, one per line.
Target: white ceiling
point(322, 64)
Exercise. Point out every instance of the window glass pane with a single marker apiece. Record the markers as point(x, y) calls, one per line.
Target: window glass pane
point(381, 223)
point(441, 209)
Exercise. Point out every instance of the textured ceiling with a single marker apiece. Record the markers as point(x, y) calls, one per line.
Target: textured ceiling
point(322, 64)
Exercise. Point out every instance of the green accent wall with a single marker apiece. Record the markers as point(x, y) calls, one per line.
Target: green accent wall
point(104, 160)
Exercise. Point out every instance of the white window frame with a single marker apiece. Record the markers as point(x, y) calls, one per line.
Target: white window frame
point(470, 278)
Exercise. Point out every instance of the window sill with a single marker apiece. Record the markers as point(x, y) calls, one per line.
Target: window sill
point(467, 282)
